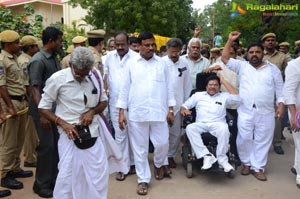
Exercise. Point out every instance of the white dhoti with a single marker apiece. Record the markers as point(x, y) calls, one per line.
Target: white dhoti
point(82, 173)
point(217, 129)
point(139, 137)
point(296, 136)
point(255, 135)
point(121, 137)
point(175, 133)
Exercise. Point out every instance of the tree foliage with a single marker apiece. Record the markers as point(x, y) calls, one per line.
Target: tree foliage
point(253, 25)
point(24, 23)
point(170, 18)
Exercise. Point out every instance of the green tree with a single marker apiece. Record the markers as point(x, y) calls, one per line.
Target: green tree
point(171, 18)
point(253, 24)
point(20, 21)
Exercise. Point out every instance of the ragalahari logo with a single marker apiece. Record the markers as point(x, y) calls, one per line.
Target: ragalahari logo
point(236, 10)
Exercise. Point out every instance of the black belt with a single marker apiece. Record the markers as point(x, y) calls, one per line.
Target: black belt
point(253, 106)
point(17, 97)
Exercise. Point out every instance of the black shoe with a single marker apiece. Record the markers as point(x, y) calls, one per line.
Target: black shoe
point(278, 150)
point(43, 192)
point(4, 193)
point(293, 170)
point(27, 164)
point(21, 174)
point(11, 183)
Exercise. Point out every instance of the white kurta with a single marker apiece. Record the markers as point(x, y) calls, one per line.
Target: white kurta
point(114, 72)
point(256, 114)
point(82, 173)
point(211, 113)
point(147, 93)
point(291, 93)
point(182, 84)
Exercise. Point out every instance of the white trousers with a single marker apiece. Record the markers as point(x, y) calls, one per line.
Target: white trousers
point(121, 137)
point(175, 133)
point(217, 129)
point(82, 173)
point(296, 136)
point(139, 135)
point(255, 135)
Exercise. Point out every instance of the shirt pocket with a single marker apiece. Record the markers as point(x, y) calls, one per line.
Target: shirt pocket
point(159, 75)
point(92, 100)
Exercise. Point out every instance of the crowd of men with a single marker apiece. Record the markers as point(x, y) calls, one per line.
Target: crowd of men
point(147, 93)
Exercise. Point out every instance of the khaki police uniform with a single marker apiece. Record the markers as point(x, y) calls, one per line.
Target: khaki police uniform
point(98, 57)
point(12, 131)
point(280, 60)
point(31, 138)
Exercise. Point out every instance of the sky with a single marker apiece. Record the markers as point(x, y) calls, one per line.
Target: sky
point(200, 4)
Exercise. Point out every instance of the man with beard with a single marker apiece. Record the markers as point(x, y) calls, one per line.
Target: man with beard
point(148, 95)
point(280, 60)
point(260, 81)
point(113, 67)
point(196, 62)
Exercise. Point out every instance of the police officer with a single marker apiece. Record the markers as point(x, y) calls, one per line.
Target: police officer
point(13, 101)
point(95, 40)
point(29, 45)
point(77, 41)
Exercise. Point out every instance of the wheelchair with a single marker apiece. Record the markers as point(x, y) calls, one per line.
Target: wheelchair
point(189, 160)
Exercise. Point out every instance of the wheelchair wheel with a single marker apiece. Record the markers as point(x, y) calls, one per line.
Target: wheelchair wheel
point(231, 174)
point(189, 170)
point(185, 154)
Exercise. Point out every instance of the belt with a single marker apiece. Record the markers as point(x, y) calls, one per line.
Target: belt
point(253, 106)
point(17, 97)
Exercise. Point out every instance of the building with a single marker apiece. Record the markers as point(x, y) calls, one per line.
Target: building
point(52, 11)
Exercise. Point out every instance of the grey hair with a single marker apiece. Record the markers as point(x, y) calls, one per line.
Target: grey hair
point(110, 40)
point(194, 40)
point(82, 58)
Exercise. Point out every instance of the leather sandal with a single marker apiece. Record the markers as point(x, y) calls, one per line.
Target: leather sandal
point(159, 173)
point(259, 175)
point(142, 188)
point(121, 176)
point(245, 170)
point(167, 171)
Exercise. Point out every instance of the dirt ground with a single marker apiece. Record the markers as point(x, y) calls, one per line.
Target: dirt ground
point(280, 184)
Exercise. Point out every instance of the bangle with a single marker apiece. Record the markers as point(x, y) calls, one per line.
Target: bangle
point(56, 120)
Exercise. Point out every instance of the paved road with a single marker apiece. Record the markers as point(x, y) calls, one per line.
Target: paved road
point(280, 184)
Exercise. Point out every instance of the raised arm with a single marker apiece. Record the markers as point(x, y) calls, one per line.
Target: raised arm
point(226, 51)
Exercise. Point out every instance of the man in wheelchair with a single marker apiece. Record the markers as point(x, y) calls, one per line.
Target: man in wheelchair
point(210, 108)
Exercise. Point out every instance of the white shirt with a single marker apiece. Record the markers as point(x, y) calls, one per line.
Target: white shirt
point(196, 67)
point(147, 91)
point(181, 81)
point(113, 67)
point(69, 94)
point(211, 108)
point(258, 86)
point(291, 89)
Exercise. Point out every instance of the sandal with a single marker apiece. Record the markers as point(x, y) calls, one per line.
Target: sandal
point(121, 176)
point(159, 173)
point(142, 188)
point(260, 175)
